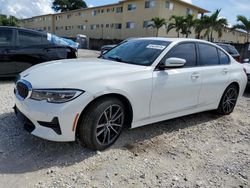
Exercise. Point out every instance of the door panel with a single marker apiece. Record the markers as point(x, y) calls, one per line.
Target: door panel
point(29, 50)
point(175, 90)
point(6, 44)
point(216, 71)
point(215, 80)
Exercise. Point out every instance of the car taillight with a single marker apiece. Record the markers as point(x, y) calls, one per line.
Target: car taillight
point(237, 59)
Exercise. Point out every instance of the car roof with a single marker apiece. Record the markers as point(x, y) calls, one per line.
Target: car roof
point(172, 39)
point(223, 44)
point(22, 28)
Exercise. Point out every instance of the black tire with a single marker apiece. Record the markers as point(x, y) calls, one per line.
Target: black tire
point(97, 115)
point(228, 100)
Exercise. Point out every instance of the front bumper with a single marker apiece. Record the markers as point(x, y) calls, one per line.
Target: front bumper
point(55, 122)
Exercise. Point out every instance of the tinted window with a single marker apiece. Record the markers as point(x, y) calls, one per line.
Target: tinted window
point(5, 37)
point(29, 38)
point(223, 57)
point(185, 51)
point(224, 47)
point(208, 55)
point(232, 50)
point(140, 52)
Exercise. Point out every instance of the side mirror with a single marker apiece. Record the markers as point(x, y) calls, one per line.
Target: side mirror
point(174, 62)
point(246, 60)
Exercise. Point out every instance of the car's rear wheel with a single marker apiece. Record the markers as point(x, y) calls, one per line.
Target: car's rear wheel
point(228, 100)
point(102, 123)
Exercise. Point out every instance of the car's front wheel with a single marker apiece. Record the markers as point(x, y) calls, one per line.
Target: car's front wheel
point(228, 100)
point(102, 123)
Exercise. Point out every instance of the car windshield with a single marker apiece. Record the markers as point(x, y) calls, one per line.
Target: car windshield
point(139, 52)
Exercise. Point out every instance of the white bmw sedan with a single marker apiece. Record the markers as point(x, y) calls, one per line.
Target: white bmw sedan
point(139, 82)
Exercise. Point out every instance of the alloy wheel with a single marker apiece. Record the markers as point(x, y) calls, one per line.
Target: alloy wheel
point(109, 125)
point(229, 100)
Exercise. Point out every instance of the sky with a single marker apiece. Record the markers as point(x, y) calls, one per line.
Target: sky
point(28, 8)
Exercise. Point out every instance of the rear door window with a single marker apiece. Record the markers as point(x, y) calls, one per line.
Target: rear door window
point(224, 59)
point(27, 38)
point(185, 51)
point(6, 37)
point(208, 55)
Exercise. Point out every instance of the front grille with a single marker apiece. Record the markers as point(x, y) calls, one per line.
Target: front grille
point(22, 90)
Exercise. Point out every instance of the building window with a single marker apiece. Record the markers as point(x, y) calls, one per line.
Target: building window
point(169, 5)
point(118, 26)
point(58, 17)
point(82, 27)
point(131, 7)
point(68, 27)
point(102, 11)
point(108, 10)
point(94, 12)
point(190, 11)
point(146, 24)
point(150, 4)
point(107, 25)
point(119, 9)
point(68, 16)
point(48, 28)
point(130, 25)
point(93, 27)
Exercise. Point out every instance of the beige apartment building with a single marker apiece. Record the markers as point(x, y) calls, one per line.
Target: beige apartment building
point(125, 19)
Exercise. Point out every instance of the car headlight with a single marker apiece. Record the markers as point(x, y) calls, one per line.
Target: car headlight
point(55, 95)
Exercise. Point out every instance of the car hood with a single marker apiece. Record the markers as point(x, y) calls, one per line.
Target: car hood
point(76, 73)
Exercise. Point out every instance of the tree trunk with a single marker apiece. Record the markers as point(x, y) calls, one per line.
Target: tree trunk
point(198, 35)
point(157, 32)
point(211, 36)
point(178, 34)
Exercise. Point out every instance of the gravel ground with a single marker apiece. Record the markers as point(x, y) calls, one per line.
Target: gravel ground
point(200, 150)
point(88, 53)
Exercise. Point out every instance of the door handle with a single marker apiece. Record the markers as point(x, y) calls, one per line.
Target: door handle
point(225, 71)
point(195, 75)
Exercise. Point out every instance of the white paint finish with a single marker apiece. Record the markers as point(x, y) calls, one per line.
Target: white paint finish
point(175, 90)
point(154, 95)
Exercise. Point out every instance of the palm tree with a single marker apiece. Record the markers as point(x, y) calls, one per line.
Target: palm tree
point(177, 24)
point(189, 23)
point(214, 23)
point(244, 25)
point(157, 23)
point(200, 25)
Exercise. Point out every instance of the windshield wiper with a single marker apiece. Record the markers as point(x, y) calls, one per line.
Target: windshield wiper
point(116, 58)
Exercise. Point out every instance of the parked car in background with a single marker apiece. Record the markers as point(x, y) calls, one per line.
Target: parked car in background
point(139, 82)
point(246, 63)
point(106, 48)
point(231, 50)
point(22, 48)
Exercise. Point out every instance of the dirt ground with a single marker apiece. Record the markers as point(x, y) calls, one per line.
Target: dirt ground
point(200, 150)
